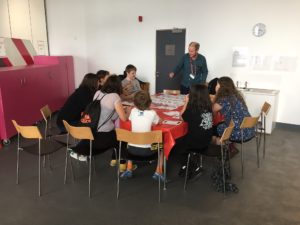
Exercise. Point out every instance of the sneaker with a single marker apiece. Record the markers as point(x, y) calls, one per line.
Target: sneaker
point(126, 175)
point(113, 162)
point(123, 167)
point(195, 174)
point(157, 176)
point(182, 171)
point(81, 158)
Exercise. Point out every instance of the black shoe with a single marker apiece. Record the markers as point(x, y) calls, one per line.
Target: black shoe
point(182, 171)
point(195, 173)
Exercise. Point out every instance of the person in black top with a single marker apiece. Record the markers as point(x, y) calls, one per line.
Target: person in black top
point(77, 102)
point(197, 112)
point(102, 77)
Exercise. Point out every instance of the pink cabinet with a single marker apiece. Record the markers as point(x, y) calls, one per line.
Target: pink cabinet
point(25, 89)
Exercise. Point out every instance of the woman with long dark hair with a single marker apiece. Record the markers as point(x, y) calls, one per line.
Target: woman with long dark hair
point(77, 102)
point(197, 112)
point(111, 110)
point(232, 105)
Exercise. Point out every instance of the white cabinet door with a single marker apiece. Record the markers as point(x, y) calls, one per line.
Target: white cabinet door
point(255, 102)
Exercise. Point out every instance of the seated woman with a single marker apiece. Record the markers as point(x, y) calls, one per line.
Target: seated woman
point(231, 104)
point(130, 84)
point(102, 77)
point(111, 110)
point(77, 102)
point(142, 118)
point(197, 112)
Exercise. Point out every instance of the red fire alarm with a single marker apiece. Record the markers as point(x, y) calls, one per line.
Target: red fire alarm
point(140, 18)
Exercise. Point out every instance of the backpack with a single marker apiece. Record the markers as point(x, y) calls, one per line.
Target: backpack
point(91, 114)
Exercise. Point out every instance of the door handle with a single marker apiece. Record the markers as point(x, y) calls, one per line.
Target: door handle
point(157, 74)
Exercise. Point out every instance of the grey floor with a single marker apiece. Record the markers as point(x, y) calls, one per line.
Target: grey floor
point(268, 195)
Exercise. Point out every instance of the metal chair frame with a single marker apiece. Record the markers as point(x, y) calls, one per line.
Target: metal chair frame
point(249, 122)
point(224, 141)
point(262, 128)
point(142, 139)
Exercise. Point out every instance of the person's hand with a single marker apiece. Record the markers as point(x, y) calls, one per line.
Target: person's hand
point(171, 75)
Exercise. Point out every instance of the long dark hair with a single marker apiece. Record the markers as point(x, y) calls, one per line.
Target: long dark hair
point(90, 81)
point(228, 90)
point(112, 85)
point(199, 100)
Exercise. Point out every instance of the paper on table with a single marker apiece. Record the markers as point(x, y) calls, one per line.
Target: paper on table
point(172, 113)
point(171, 122)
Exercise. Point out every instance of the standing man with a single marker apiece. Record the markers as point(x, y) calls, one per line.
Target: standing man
point(194, 68)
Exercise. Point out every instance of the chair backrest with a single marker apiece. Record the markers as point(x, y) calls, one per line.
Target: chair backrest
point(265, 108)
point(249, 122)
point(139, 138)
point(145, 86)
point(79, 132)
point(171, 92)
point(227, 133)
point(31, 132)
point(46, 112)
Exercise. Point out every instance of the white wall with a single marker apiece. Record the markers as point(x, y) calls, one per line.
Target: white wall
point(114, 37)
point(67, 33)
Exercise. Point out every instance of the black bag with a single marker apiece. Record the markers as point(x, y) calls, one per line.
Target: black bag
point(91, 114)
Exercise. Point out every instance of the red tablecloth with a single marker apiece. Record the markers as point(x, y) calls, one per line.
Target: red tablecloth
point(170, 132)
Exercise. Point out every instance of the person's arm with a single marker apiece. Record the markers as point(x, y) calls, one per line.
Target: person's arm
point(216, 107)
point(177, 68)
point(119, 109)
point(204, 70)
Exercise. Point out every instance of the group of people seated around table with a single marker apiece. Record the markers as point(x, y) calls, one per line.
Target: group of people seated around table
point(201, 105)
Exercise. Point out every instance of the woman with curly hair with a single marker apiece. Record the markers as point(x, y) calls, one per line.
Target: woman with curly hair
point(231, 104)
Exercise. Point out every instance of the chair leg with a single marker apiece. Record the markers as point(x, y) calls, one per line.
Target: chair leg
point(18, 161)
point(264, 152)
point(186, 172)
point(223, 170)
point(49, 162)
point(66, 166)
point(40, 168)
point(242, 160)
point(201, 161)
point(44, 161)
point(158, 154)
point(118, 181)
point(257, 151)
point(165, 172)
point(90, 169)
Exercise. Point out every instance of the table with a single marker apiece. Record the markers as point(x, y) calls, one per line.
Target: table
point(170, 132)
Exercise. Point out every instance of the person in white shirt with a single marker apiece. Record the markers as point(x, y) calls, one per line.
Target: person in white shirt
point(142, 118)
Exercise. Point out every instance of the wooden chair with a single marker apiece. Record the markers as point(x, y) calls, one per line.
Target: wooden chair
point(140, 139)
point(42, 148)
point(145, 86)
point(81, 133)
point(248, 122)
point(171, 92)
point(49, 131)
point(47, 114)
point(262, 124)
point(224, 141)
